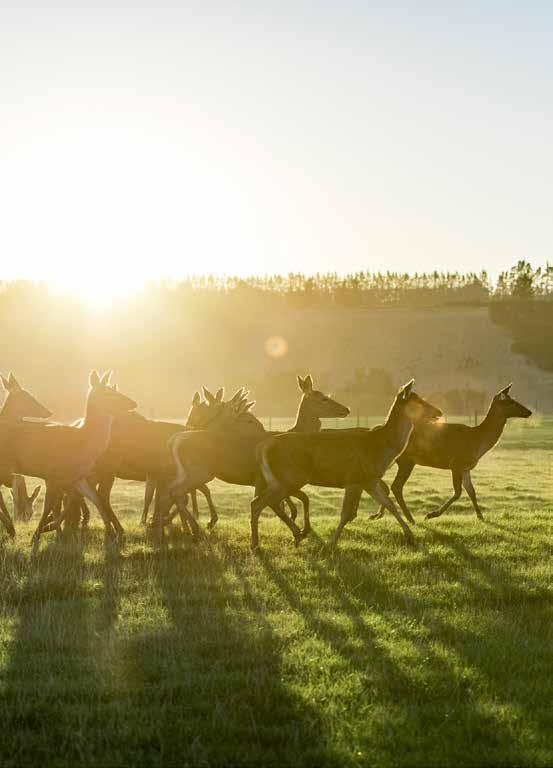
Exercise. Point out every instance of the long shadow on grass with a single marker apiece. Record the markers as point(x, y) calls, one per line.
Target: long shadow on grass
point(208, 682)
point(481, 683)
point(41, 705)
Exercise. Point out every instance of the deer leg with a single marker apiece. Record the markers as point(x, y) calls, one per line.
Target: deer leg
point(85, 512)
point(304, 498)
point(457, 488)
point(296, 532)
point(404, 471)
point(51, 498)
point(291, 507)
point(379, 494)
point(85, 488)
point(187, 518)
point(54, 514)
point(72, 510)
point(104, 493)
point(403, 474)
point(469, 488)
point(271, 497)
point(212, 510)
point(195, 509)
point(148, 496)
point(352, 494)
point(5, 517)
point(256, 509)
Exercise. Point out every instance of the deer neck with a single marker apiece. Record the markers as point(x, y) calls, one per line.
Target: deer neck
point(9, 411)
point(396, 433)
point(490, 430)
point(306, 420)
point(97, 426)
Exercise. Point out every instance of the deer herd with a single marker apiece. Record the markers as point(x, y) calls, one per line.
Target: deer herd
point(223, 439)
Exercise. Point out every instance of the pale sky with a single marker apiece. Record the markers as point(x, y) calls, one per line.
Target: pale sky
point(149, 139)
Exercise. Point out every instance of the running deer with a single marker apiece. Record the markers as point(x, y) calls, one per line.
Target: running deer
point(19, 404)
point(456, 447)
point(231, 456)
point(133, 440)
point(212, 413)
point(351, 459)
point(65, 456)
point(138, 449)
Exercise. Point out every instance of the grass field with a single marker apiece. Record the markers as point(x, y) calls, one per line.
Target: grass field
point(208, 655)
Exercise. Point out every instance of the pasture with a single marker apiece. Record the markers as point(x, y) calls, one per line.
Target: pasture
point(210, 655)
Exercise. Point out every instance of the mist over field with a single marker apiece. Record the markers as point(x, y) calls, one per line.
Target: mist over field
point(461, 336)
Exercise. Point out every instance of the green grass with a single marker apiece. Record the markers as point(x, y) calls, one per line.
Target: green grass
point(208, 655)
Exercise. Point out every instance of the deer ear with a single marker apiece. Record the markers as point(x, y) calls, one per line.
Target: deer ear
point(35, 493)
point(14, 384)
point(93, 379)
point(506, 389)
point(197, 399)
point(308, 381)
point(5, 383)
point(238, 395)
point(249, 405)
point(301, 383)
point(220, 394)
point(406, 389)
point(208, 396)
point(106, 377)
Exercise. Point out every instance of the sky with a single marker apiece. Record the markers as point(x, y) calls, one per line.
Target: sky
point(157, 139)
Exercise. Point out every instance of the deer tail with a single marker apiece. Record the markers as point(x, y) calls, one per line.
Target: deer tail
point(175, 444)
point(263, 460)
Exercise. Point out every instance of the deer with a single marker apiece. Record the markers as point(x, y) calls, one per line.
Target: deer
point(138, 450)
point(202, 456)
point(64, 456)
point(212, 410)
point(211, 413)
point(18, 405)
point(354, 460)
point(456, 447)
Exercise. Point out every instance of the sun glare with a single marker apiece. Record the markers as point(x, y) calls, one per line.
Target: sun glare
point(95, 292)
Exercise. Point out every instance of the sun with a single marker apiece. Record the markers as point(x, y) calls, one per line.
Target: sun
point(95, 291)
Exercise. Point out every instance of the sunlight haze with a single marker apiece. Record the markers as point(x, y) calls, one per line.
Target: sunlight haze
point(160, 139)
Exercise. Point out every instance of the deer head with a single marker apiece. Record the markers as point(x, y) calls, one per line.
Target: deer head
point(316, 404)
point(19, 403)
point(104, 397)
point(413, 406)
point(506, 407)
point(214, 411)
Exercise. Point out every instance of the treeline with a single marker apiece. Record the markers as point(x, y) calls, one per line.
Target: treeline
point(172, 337)
point(360, 289)
point(363, 289)
point(523, 306)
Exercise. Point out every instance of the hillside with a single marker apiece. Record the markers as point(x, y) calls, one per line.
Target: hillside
point(162, 351)
point(442, 348)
